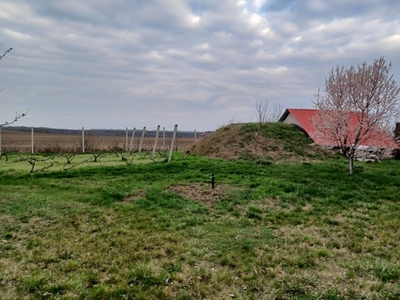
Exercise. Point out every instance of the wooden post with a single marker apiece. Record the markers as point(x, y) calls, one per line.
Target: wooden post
point(141, 140)
point(126, 139)
point(32, 142)
point(172, 143)
point(83, 140)
point(155, 142)
point(164, 138)
point(133, 135)
point(0, 140)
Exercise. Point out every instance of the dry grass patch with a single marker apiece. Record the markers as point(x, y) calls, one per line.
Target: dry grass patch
point(138, 194)
point(203, 192)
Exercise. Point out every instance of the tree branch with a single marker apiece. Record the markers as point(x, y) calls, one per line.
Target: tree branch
point(17, 117)
point(1, 56)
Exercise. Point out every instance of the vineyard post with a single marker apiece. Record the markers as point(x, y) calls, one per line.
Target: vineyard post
point(133, 135)
point(155, 142)
point(126, 139)
point(0, 140)
point(164, 138)
point(141, 140)
point(172, 143)
point(83, 140)
point(32, 141)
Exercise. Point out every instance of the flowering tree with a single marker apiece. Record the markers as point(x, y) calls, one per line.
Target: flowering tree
point(17, 116)
point(358, 104)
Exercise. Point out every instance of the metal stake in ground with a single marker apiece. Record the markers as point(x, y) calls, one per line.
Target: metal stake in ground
point(212, 181)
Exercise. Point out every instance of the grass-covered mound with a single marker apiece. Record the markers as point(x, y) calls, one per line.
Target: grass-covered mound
point(263, 142)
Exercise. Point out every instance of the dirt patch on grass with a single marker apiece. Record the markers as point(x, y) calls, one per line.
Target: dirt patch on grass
point(203, 192)
point(136, 196)
point(199, 191)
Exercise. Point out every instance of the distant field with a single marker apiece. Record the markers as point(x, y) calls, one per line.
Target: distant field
point(20, 141)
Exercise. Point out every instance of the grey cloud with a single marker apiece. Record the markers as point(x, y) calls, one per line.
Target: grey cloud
point(109, 63)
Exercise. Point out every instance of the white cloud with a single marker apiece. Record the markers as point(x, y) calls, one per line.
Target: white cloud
point(206, 57)
point(193, 20)
point(202, 47)
point(155, 55)
point(17, 35)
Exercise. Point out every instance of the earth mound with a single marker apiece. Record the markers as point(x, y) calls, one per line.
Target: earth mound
point(262, 142)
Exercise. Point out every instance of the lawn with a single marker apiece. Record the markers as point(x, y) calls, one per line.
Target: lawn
point(158, 230)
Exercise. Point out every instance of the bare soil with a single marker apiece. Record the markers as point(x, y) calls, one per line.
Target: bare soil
point(203, 192)
point(138, 195)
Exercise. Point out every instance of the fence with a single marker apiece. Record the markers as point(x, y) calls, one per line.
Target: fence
point(45, 140)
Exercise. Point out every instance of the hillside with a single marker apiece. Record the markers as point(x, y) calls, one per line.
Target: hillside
point(264, 142)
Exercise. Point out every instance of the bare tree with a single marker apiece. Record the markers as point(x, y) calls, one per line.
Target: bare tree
point(267, 112)
point(357, 104)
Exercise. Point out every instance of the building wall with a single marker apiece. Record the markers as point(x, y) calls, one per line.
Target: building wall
point(290, 120)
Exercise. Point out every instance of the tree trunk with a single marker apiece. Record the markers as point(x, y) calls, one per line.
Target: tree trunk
point(351, 164)
point(397, 133)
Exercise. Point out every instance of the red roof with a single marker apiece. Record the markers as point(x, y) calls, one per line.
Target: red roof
point(304, 119)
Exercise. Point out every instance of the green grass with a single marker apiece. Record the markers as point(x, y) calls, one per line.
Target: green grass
point(279, 231)
point(264, 143)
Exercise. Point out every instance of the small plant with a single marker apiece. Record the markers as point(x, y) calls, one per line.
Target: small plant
point(96, 155)
point(34, 283)
point(254, 212)
point(34, 160)
point(69, 165)
point(127, 157)
point(386, 272)
point(147, 276)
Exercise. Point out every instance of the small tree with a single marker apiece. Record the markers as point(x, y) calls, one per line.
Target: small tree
point(267, 112)
point(358, 104)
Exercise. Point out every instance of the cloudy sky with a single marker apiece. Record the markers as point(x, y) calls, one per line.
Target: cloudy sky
point(196, 63)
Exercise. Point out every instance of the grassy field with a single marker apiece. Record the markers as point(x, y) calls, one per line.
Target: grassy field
point(158, 231)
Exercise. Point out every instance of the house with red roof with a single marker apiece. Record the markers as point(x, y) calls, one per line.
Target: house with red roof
point(304, 119)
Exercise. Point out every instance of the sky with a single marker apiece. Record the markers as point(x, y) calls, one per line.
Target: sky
point(200, 64)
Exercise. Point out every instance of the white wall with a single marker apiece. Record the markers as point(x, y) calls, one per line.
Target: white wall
point(290, 120)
